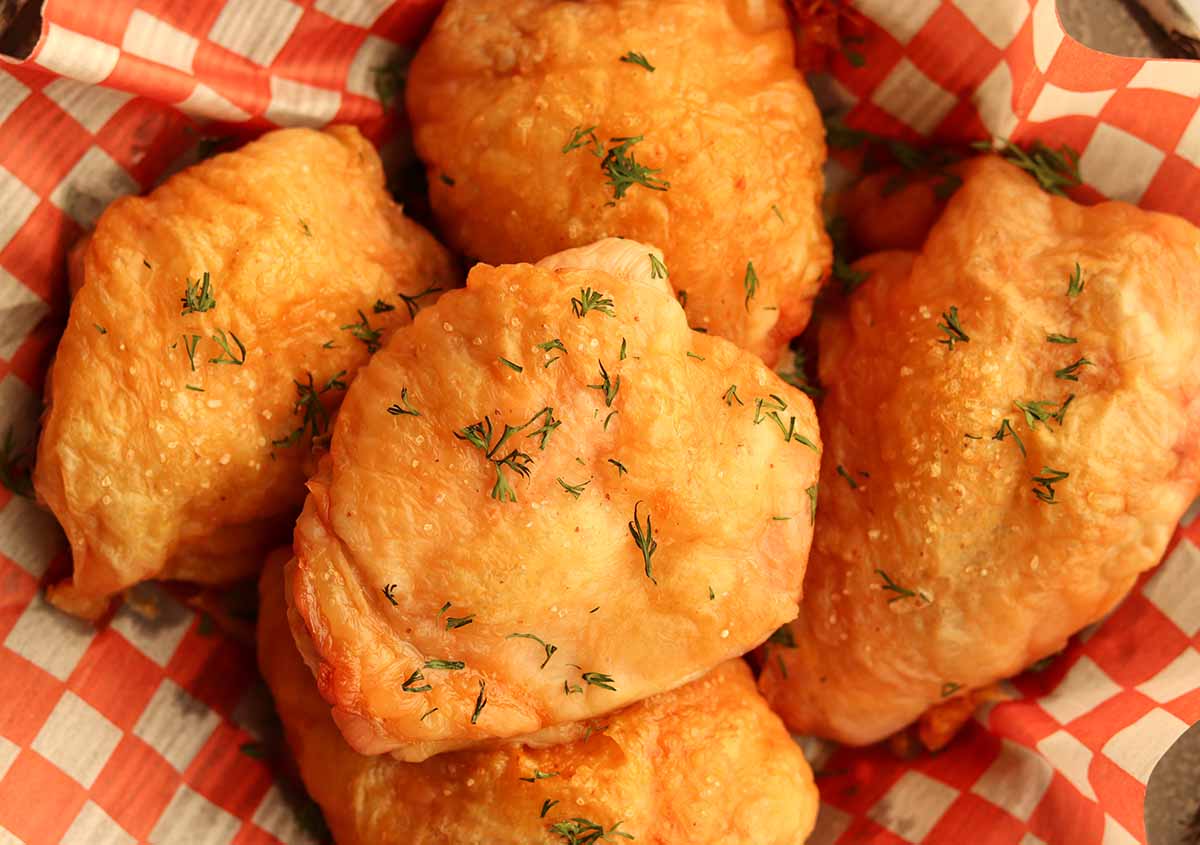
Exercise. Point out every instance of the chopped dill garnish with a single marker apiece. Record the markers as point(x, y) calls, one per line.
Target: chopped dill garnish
point(410, 302)
point(1005, 430)
point(1046, 482)
point(624, 170)
point(1071, 371)
point(197, 296)
point(549, 648)
point(480, 702)
point(403, 407)
point(364, 332)
point(644, 537)
point(607, 385)
point(658, 270)
point(750, 283)
point(591, 300)
point(637, 59)
point(952, 328)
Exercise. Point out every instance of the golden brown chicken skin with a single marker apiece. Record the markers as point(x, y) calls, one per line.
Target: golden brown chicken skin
point(215, 326)
point(1008, 443)
point(545, 499)
point(538, 119)
point(707, 764)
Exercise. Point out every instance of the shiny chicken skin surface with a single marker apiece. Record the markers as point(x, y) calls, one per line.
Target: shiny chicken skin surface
point(946, 559)
point(176, 434)
point(662, 529)
point(707, 763)
point(515, 104)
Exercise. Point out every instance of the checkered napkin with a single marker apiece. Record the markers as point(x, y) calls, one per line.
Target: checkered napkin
point(135, 733)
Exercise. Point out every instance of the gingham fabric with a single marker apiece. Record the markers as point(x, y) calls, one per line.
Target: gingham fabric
point(133, 733)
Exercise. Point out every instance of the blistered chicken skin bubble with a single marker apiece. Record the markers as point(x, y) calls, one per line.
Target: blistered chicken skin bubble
point(547, 124)
point(215, 325)
point(705, 763)
point(546, 499)
point(1011, 434)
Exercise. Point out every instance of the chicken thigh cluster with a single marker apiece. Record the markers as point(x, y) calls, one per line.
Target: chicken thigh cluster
point(541, 516)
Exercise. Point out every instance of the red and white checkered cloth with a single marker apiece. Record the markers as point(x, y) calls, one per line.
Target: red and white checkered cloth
point(132, 733)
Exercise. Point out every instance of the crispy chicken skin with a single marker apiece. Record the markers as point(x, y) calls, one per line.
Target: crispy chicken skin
point(157, 453)
point(954, 558)
point(409, 551)
point(500, 87)
point(707, 763)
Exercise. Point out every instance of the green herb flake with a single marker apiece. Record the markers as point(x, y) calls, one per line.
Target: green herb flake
point(890, 586)
point(1075, 283)
point(314, 417)
point(599, 679)
point(750, 283)
point(624, 170)
point(365, 332)
point(575, 490)
point(190, 342)
point(411, 683)
point(538, 774)
point(197, 296)
point(952, 328)
point(584, 137)
point(453, 622)
point(412, 302)
point(227, 356)
point(1045, 484)
point(1061, 338)
point(591, 300)
point(658, 270)
point(644, 537)
point(637, 59)
point(1054, 170)
point(403, 407)
point(1005, 430)
point(549, 648)
point(480, 435)
point(607, 385)
point(553, 344)
point(581, 831)
point(512, 366)
point(448, 665)
point(480, 702)
point(841, 470)
point(1071, 371)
